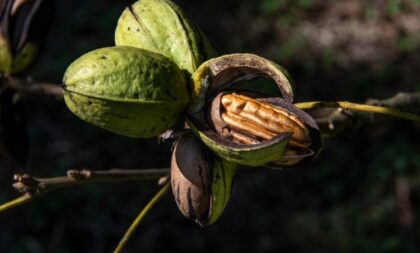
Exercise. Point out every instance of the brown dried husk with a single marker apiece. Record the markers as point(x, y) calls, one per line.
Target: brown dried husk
point(191, 177)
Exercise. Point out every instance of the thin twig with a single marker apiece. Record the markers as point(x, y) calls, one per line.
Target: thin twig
point(31, 87)
point(359, 107)
point(15, 202)
point(141, 217)
point(28, 184)
point(46, 88)
point(334, 121)
point(32, 187)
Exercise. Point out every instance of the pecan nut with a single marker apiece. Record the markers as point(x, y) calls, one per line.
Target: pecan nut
point(249, 121)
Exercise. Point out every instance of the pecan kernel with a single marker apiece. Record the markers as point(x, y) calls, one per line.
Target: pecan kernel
point(251, 121)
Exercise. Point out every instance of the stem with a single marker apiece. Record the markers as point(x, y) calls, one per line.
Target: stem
point(141, 217)
point(33, 187)
point(27, 184)
point(359, 107)
point(15, 202)
point(31, 87)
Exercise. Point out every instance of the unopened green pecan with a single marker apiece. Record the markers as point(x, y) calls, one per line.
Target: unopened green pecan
point(163, 27)
point(126, 90)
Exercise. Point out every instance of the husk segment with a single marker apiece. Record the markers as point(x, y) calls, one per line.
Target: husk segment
point(224, 72)
point(201, 182)
point(161, 26)
point(191, 168)
point(251, 155)
point(316, 142)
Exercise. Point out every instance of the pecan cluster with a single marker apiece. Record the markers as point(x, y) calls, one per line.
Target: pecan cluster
point(164, 70)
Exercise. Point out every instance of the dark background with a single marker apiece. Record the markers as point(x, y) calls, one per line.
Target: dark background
point(361, 195)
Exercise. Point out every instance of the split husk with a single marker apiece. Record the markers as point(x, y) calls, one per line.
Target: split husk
point(220, 76)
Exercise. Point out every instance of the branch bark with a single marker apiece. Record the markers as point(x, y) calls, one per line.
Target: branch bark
point(141, 217)
point(334, 121)
point(26, 183)
point(31, 87)
point(32, 187)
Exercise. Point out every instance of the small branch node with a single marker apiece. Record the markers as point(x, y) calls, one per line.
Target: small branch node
point(163, 180)
point(25, 183)
point(79, 174)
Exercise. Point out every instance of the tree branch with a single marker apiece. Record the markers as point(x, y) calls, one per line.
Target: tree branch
point(141, 217)
point(32, 187)
point(31, 87)
point(15, 202)
point(333, 121)
point(35, 186)
point(359, 107)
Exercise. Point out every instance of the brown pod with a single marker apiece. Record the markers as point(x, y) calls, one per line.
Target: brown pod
point(201, 181)
point(190, 177)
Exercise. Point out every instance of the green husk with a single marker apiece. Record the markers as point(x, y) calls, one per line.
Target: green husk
point(161, 26)
point(126, 90)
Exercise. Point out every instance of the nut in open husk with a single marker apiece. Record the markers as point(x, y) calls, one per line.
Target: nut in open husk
point(249, 127)
point(250, 121)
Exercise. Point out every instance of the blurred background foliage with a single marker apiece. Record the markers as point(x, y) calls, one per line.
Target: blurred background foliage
point(361, 195)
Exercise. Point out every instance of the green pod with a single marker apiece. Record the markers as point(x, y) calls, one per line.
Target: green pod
point(221, 188)
point(221, 74)
point(6, 58)
point(126, 90)
point(161, 26)
point(201, 181)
